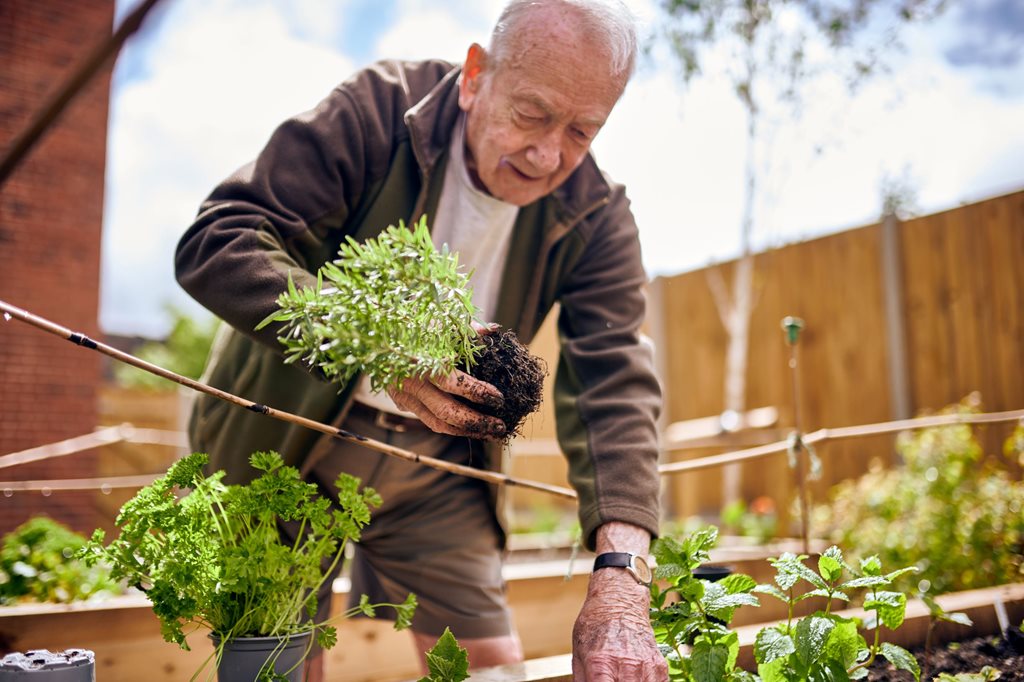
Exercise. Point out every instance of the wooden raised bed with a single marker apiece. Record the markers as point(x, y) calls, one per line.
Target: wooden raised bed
point(125, 635)
point(980, 605)
point(545, 597)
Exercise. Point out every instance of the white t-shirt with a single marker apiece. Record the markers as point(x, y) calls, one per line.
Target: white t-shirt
point(476, 226)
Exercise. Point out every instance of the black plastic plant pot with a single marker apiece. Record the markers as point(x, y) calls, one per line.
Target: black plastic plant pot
point(244, 658)
point(712, 573)
point(41, 665)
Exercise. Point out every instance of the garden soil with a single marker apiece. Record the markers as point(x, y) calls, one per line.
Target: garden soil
point(512, 369)
point(969, 656)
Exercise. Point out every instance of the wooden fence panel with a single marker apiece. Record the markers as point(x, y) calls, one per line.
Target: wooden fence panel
point(963, 300)
point(964, 288)
point(144, 409)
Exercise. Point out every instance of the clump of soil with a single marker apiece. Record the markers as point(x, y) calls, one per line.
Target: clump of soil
point(513, 370)
point(969, 656)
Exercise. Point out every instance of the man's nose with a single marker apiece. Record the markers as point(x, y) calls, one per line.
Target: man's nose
point(545, 154)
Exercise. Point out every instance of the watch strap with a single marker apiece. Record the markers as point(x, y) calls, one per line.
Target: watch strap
point(613, 560)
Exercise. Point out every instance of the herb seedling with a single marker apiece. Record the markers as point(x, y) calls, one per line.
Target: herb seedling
point(391, 307)
point(394, 307)
point(936, 615)
point(695, 613)
point(446, 661)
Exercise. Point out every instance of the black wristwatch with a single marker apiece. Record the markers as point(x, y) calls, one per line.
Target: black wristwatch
point(634, 563)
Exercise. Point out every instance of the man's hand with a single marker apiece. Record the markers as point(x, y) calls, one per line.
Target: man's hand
point(612, 639)
point(434, 402)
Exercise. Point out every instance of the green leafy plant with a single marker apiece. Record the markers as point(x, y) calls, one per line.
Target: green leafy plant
point(820, 647)
point(446, 661)
point(184, 352)
point(949, 510)
point(825, 646)
point(758, 521)
point(214, 557)
point(689, 611)
point(37, 563)
point(391, 307)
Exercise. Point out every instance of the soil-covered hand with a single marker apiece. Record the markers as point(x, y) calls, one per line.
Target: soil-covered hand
point(612, 640)
point(436, 401)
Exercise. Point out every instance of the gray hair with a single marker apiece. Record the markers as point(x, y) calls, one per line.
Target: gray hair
point(608, 21)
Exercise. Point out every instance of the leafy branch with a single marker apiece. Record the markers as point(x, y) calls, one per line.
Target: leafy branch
point(392, 307)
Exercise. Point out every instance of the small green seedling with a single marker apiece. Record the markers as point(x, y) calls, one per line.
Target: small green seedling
point(936, 615)
point(690, 616)
point(447, 661)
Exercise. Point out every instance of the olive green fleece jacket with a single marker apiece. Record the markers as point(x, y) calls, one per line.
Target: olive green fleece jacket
point(370, 154)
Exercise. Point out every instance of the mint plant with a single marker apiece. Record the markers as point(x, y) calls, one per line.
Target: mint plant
point(446, 661)
point(214, 557)
point(690, 617)
point(825, 646)
point(391, 307)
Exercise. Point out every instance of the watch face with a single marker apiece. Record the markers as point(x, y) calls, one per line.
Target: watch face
point(643, 571)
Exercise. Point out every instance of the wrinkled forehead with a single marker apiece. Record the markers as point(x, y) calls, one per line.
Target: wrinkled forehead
point(553, 39)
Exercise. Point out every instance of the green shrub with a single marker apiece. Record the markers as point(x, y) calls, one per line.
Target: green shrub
point(37, 564)
point(948, 509)
point(184, 352)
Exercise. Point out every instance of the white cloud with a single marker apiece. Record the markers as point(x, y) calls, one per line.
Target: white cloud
point(319, 21)
point(425, 30)
point(219, 78)
point(677, 154)
point(681, 155)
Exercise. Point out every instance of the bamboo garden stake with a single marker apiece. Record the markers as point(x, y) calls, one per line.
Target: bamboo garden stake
point(9, 311)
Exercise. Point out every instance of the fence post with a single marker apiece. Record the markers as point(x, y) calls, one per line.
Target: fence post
point(895, 328)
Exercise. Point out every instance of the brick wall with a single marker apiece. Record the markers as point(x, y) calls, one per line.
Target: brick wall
point(50, 224)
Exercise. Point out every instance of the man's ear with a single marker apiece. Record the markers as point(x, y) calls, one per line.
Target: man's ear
point(472, 71)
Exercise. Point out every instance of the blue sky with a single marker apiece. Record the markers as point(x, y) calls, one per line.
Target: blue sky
point(199, 90)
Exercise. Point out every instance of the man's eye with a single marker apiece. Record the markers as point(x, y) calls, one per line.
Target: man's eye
point(581, 135)
point(527, 119)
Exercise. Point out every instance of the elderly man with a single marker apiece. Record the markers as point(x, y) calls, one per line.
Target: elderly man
point(497, 153)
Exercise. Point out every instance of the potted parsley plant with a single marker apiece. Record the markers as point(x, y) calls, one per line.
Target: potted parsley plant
point(214, 558)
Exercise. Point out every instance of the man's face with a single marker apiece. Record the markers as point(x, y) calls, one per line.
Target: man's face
point(530, 121)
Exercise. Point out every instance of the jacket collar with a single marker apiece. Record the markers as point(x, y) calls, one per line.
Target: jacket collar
point(431, 121)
